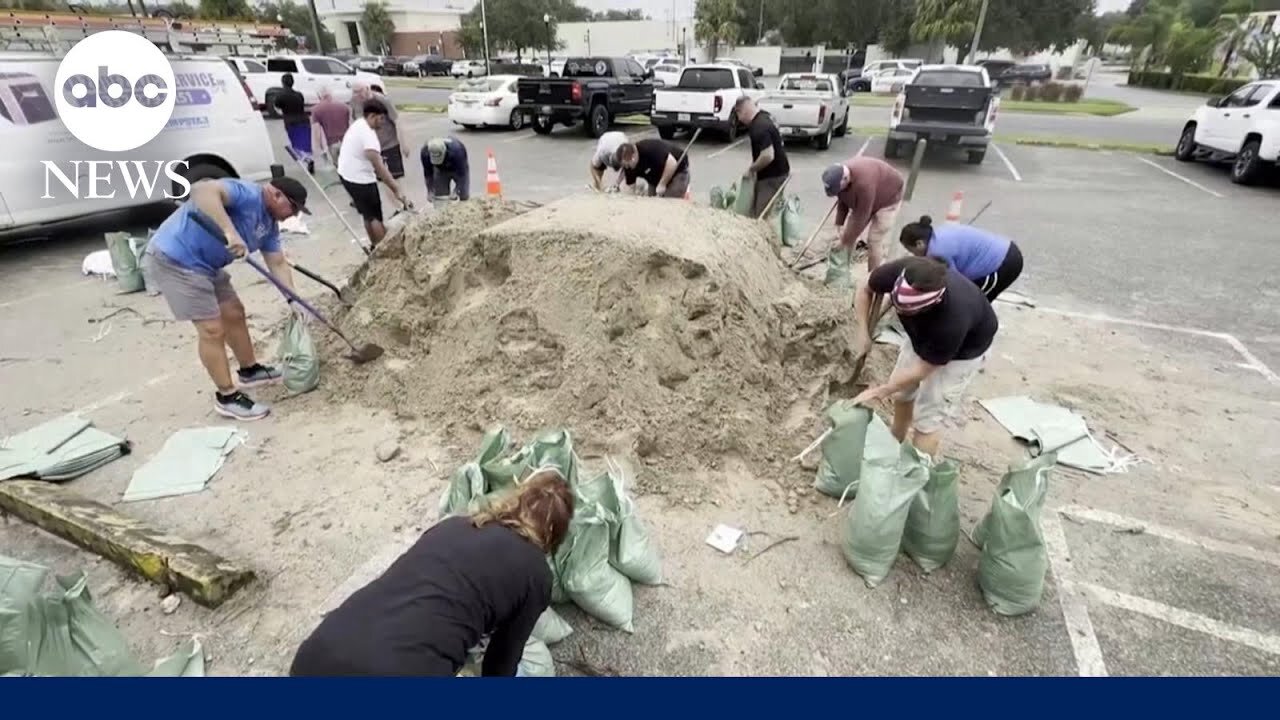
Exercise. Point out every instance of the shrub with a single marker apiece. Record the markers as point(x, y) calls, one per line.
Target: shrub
point(1209, 84)
point(1051, 92)
point(1033, 93)
point(1073, 93)
point(1065, 72)
point(1018, 93)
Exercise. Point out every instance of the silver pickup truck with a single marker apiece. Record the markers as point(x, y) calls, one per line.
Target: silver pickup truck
point(809, 106)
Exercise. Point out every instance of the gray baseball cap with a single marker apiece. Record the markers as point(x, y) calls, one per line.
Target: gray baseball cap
point(833, 179)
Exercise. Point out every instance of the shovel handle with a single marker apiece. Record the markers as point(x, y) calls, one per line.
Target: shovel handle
point(814, 235)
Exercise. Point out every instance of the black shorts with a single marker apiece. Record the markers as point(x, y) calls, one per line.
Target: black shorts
point(366, 198)
point(395, 161)
point(1000, 280)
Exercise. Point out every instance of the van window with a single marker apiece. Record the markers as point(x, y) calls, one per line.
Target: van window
point(282, 65)
point(339, 68)
point(317, 66)
point(807, 83)
point(251, 66)
point(706, 78)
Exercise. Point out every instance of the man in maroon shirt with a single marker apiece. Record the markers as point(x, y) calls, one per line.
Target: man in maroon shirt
point(331, 120)
point(869, 194)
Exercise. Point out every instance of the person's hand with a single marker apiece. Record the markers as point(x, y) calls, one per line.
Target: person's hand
point(861, 343)
point(297, 309)
point(870, 395)
point(662, 190)
point(235, 245)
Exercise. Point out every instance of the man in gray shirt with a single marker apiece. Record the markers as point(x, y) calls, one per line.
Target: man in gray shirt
point(606, 156)
point(394, 149)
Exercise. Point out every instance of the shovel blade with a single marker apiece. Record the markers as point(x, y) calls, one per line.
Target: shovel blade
point(365, 353)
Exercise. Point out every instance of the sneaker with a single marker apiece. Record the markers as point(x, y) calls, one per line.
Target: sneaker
point(239, 406)
point(257, 374)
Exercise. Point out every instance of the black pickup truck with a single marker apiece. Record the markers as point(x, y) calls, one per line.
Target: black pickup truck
point(951, 105)
point(594, 90)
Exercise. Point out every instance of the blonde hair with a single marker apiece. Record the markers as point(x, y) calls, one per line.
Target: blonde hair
point(539, 511)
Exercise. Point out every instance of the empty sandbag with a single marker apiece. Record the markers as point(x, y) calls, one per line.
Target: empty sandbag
point(551, 628)
point(300, 365)
point(841, 464)
point(933, 522)
point(1014, 560)
point(589, 580)
point(875, 522)
point(633, 551)
point(468, 485)
point(536, 660)
point(125, 262)
point(745, 196)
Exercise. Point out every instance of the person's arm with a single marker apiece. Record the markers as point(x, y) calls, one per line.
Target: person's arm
point(597, 176)
point(864, 195)
point(428, 172)
point(766, 157)
point(901, 379)
point(879, 283)
point(212, 198)
point(279, 265)
point(380, 169)
point(506, 646)
point(668, 172)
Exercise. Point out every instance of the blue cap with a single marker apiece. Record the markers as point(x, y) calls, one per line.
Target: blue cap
point(833, 179)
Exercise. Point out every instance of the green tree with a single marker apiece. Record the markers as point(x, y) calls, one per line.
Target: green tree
point(182, 10)
point(1263, 52)
point(895, 33)
point(619, 15)
point(378, 26)
point(516, 25)
point(716, 24)
point(296, 17)
point(225, 10)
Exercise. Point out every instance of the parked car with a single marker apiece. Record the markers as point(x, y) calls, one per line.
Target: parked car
point(310, 74)
point(219, 135)
point(996, 68)
point(948, 105)
point(755, 71)
point(487, 102)
point(891, 80)
point(666, 73)
point(1032, 73)
point(468, 68)
point(594, 90)
point(1243, 128)
point(423, 65)
point(369, 63)
point(809, 106)
point(862, 82)
point(703, 98)
point(393, 65)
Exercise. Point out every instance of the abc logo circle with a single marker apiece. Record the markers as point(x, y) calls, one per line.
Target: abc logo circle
point(115, 91)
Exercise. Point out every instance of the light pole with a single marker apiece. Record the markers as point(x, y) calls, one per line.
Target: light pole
point(588, 42)
point(484, 29)
point(977, 32)
point(760, 36)
point(546, 23)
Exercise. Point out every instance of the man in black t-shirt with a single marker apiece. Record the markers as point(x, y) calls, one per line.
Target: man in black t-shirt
point(950, 327)
point(292, 107)
point(769, 165)
point(659, 164)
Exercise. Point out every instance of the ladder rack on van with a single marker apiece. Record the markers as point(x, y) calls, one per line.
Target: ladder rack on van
point(58, 32)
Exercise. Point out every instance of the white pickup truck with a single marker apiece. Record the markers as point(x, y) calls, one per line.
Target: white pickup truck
point(1243, 127)
point(809, 106)
point(310, 74)
point(703, 97)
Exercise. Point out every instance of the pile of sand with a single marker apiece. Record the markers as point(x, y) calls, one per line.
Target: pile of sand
point(646, 326)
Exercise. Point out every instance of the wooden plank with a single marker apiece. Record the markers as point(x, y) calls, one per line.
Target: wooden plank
point(170, 561)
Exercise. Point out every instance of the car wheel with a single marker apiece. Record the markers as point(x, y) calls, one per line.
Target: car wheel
point(1186, 150)
point(1248, 166)
point(542, 125)
point(666, 132)
point(823, 141)
point(517, 120)
point(732, 133)
point(976, 157)
point(597, 121)
point(891, 149)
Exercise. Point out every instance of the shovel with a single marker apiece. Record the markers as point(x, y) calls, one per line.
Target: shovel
point(320, 279)
point(360, 354)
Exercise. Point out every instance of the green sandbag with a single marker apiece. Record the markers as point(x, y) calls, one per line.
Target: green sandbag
point(874, 524)
point(551, 628)
point(746, 196)
point(841, 464)
point(722, 199)
point(301, 364)
point(589, 580)
point(536, 660)
point(551, 449)
point(124, 261)
point(787, 221)
point(839, 260)
point(933, 523)
point(1014, 560)
point(633, 551)
point(468, 485)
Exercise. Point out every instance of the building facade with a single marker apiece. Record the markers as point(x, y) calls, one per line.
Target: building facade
point(422, 27)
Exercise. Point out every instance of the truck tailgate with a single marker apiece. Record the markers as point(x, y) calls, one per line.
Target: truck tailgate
point(546, 91)
point(694, 102)
point(946, 104)
point(794, 108)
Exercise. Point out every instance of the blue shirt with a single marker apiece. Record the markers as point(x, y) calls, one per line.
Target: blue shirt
point(974, 253)
point(188, 245)
point(454, 163)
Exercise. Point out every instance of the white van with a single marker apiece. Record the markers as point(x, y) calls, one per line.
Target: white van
point(214, 128)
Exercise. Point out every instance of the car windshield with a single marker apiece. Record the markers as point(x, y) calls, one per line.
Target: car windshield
point(807, 83)
point(706, 78)
point(586, 67)
point(949, 78)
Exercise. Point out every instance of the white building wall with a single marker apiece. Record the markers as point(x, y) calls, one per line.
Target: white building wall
point(416, 21)
point(620, 38)
point(766, 57)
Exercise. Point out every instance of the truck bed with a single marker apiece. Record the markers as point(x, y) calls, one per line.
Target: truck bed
point(943, 104)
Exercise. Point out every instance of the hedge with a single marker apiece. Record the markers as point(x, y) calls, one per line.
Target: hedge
point(1209, 84)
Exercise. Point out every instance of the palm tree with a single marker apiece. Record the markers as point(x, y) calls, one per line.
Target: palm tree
point(1263, 52)
point(715, 23)
point(951, 22)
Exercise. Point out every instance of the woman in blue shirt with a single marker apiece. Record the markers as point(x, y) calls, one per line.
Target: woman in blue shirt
point(992, 262)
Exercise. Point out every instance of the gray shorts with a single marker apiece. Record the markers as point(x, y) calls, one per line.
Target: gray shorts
point(191, 295)
point(938, 397)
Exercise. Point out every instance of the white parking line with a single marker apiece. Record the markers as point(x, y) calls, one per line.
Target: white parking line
point(1184, 619)
point(1173, 174)
point(1012, 170)
point(863, 148)
point(518, 136)
point(1219, 546)
point(1075, 609)
point(728, 147)
point(117, 397)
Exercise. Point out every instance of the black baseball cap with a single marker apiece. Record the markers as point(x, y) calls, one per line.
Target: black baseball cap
point(293, 190)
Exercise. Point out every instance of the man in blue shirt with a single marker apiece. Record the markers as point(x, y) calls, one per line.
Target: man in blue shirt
point(187, 264)
point(444, 163)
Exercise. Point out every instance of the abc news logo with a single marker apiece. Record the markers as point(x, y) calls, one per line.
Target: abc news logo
point(101, 90)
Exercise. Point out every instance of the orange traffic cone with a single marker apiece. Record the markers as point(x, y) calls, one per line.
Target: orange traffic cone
point(957, 205)
point(493, 185)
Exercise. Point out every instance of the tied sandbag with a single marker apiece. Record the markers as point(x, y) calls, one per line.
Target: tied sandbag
point(633, 551)
point(468, 485)
point(300, 363)
point(839, 260)
point(552, 449)
point(746, 196)
point(551, 628)
point(589, 580)
point(1014, 559)
point(723, 199)
point(787, 221)
point(125, 262)
point(874, 525)
point(842, 451)
point(933, 522)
